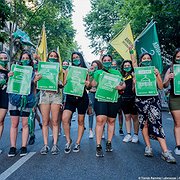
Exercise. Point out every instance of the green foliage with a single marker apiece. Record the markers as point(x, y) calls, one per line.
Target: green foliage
point(57, 18)
point(139, 13)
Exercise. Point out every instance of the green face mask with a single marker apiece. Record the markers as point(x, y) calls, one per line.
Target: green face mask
point(127, 69)
point(76, 62)
point(25, 62)
point(114, 67)
point(107, 65)
point(65, 67)
point(177, 61)
point(146, 63)
point(35, 66)
point(95, 68)
point(3, 63)
point(52, 60)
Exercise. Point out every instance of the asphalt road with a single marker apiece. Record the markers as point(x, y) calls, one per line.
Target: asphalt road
point(127, 160)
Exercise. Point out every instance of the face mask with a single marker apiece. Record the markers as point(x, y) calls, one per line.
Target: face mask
point(114, 67)
point(107, 65)
point(95, 68)
point(3, 63)
point(146, 63)
point(65, 67)
point(76, 62)
point(127, 69)
point(35, 66)
point(177, 61)
point(52, 59)
point(25, 62)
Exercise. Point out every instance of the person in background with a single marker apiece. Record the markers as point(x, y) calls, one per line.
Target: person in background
point(4, 60)
point(95, 65)
point(174, 100)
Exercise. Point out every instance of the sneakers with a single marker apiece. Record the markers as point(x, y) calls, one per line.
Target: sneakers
point(148, 151)
point(55, 150)
point(31, 140)
point(177, 150)
point(121, 133)
point(23, 151)
point(12, 152)
point(76, 148)
point(167, 156)
point(127, 138)
point(109, 146)
point(135, 138)
point(67, 149)
point(44, 150)
point(91, 135)
point(99, 151)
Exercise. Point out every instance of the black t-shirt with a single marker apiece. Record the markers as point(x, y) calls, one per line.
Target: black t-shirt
point(3, 76)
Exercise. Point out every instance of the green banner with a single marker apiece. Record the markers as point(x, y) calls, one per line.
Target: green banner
point(50, 73)
point(106, 91)
point(76, 78)
point(20, 82)
point(148, 41)
point(145, 81)
point(176, 79)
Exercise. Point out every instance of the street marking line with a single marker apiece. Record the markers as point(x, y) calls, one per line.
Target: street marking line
point(16, 166)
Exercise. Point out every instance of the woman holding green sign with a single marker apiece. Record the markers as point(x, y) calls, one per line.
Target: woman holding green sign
point(150, 117)
point(50, 103)
point(75, 102)
point(19, 106)
point(174, 100)
point(3, 86)
point(106, 107)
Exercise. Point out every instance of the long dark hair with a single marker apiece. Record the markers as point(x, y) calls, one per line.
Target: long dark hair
point(55, 53)
point(124, 73)
point(29, 55)
point(141, 56)
point(174, 55)
point(99, 64)
point(83, 64)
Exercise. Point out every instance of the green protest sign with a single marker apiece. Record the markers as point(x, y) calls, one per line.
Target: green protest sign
point(50, 73)
point(76, 78)
point(106, 91)
point(20, 82)
point(145, 81)
point(176, 79)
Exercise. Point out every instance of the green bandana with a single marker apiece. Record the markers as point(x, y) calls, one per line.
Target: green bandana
point(25, 62)
point(177, 61)
point(127, 69)
point(107, 65)
point(3, 63)
point(146, 63)
point(65, 67)
point(52, 60)
point(76, 62)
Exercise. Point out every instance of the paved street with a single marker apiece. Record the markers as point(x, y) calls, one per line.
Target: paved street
point(125, 162)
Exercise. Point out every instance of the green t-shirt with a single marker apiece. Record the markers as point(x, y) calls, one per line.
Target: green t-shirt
point(111, 71)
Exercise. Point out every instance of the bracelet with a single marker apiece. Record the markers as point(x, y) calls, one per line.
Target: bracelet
point(131, 51)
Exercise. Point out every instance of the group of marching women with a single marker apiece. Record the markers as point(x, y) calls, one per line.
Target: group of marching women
point(144, 111)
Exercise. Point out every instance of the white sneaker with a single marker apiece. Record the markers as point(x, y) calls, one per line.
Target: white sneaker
point(135, 138)
point(91, 135)
point(127, 138)
point(177, 150)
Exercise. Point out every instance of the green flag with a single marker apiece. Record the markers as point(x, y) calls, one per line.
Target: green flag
point(148, 41)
